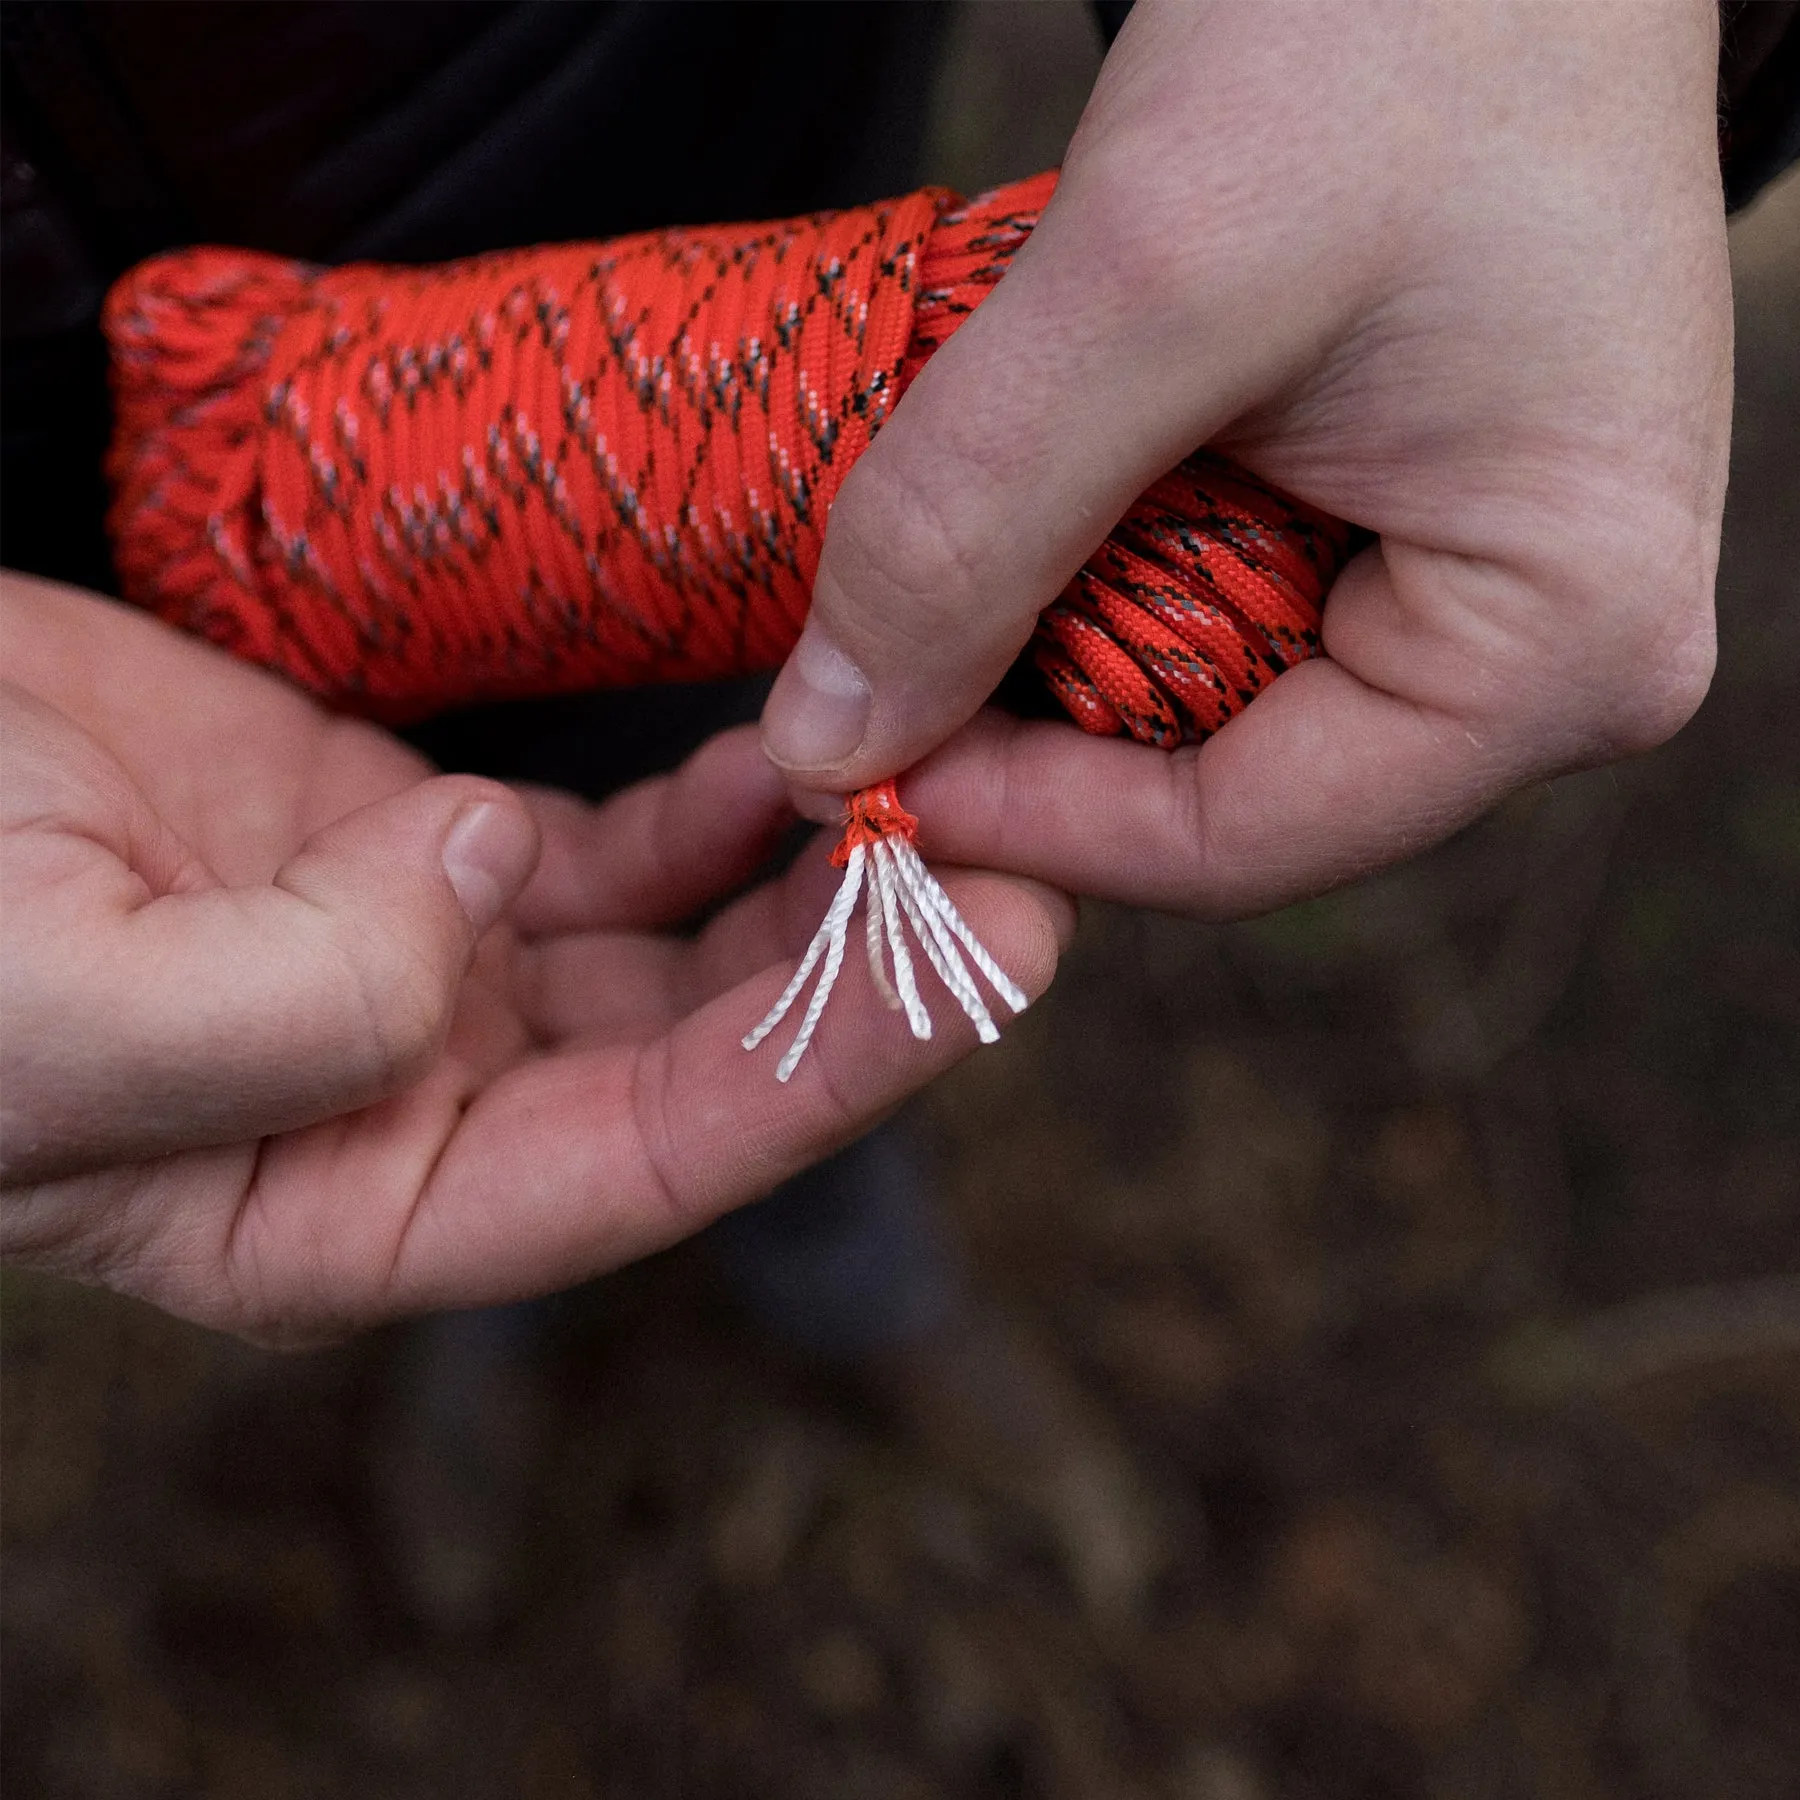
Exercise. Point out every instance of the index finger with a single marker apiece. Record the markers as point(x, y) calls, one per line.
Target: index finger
point(658, 852)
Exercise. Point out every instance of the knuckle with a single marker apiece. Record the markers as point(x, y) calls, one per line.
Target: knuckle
point(1669, 690)
point(901, 555)
point(1151, 277)
point(655, 1114)
point(1658, 646)
point(405, 1009)
point(1151, 272)
point(1606, 642)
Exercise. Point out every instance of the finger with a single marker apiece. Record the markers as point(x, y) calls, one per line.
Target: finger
point(577, 1163)
point(658, 852)
point(600, 987)
point(233, 1013)
point(594, 987)
point(1275, 808)
point(1342, 766)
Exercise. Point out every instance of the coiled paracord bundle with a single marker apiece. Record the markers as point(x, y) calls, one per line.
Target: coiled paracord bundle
point(590, 465)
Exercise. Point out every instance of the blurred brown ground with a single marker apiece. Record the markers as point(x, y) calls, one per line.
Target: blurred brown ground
point(1435, 1250)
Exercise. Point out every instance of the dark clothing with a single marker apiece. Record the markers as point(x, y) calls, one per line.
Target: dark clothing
point(1759, 94)
point(407, 132)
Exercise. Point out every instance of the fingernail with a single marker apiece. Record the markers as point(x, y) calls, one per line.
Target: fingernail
point(819, 709)
point(487, 856)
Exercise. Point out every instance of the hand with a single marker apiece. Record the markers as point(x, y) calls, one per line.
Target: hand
point(295, 1037)
point(1455, 273)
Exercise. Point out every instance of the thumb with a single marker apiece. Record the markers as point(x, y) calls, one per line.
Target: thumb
point(231, 1013)
point(1013, 454)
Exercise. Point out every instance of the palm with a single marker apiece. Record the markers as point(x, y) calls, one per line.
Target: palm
point(589, 1101)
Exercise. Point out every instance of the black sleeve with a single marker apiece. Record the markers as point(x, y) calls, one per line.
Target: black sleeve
point(1111, 14)
point(1759, 94)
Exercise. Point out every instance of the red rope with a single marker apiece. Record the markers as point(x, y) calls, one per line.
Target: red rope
point(611, 464)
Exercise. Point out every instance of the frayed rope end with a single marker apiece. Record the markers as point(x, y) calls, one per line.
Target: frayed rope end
point(879, 852)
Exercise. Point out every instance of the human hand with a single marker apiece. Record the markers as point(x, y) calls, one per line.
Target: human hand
point(296, 1037)
point(1455, 273)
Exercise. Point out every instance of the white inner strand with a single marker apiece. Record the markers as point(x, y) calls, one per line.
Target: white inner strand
point(900, 887)
point(829, 941)
point(889, 912)
point(926, 885)
point(940, 948)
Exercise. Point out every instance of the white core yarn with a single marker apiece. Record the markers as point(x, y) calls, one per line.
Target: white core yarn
point(900, 887)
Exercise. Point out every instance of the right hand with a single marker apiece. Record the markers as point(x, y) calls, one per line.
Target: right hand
point(1452, 271)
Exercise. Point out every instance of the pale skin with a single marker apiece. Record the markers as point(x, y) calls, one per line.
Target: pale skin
point(263, 1066)
point(1455, 272)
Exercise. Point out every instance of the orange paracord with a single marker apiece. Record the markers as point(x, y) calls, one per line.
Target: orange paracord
point(591, 465)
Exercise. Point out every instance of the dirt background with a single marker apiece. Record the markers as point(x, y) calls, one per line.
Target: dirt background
point(1433, 1252)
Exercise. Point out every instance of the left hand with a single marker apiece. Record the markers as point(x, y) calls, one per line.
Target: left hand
point(294, 1038)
